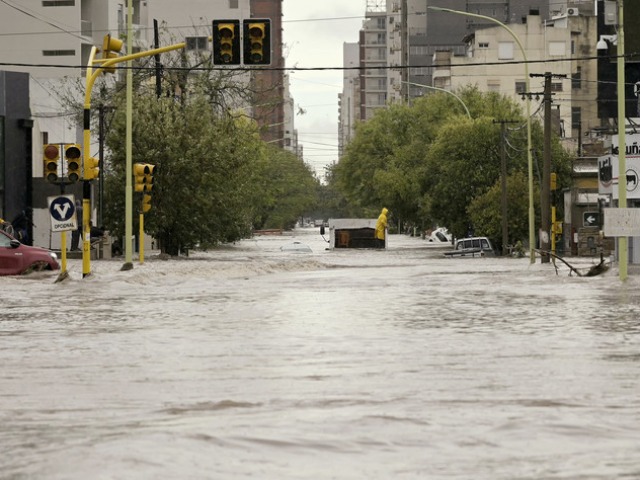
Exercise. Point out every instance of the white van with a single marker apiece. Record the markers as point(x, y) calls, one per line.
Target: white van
point(472, 247)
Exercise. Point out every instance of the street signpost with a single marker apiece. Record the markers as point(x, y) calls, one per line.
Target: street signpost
point(590, 219)
point(63, 213)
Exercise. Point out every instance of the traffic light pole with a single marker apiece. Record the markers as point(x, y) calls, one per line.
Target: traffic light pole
point(92, 76)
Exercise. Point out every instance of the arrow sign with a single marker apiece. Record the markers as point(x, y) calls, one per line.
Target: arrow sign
point(63, 213)
point(591, 219)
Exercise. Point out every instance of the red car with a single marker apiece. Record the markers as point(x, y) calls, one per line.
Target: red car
point(17, 259)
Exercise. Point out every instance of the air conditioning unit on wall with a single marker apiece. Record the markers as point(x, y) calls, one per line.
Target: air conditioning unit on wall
point(572, 12)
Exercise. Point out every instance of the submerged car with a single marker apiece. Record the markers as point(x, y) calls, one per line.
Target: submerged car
point(18, 259)
point(471, 247)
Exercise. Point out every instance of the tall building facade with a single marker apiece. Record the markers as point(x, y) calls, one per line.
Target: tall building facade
point(269, 103)
point(349, 99)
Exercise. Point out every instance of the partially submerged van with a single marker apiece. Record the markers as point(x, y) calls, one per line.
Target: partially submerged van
point(471, 247)
point(352, 233)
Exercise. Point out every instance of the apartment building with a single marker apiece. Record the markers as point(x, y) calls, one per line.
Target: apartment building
point(348, 100)
point(399, 40)
point(494, 62)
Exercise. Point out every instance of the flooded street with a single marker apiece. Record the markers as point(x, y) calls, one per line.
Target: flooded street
point(252, 362)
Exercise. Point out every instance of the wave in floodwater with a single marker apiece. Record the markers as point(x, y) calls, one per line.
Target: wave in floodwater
point(250, 361)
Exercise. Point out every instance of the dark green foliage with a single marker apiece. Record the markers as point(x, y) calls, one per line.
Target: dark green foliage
point(429, 163)
point(215, 180)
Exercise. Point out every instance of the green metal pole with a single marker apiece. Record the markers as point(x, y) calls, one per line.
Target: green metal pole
point(128, 229)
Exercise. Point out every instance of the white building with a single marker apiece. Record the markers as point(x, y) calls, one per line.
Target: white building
point(494, 62)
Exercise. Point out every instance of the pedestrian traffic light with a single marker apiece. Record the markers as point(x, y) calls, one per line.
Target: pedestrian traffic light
point(257, 41)
point(51, 157)
point(91, 168)
point(110, 48)
point(226, 42)
point(143, 173)
point(72, 154)
point(146, 202)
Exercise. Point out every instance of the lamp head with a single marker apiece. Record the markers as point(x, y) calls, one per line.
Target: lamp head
point(603, 43)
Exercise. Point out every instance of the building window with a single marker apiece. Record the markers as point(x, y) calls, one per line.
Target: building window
point(197, 43)
point(233, 3)
point(59, 3)
point(521, 87)
point(419, 50)
point(483, 44)
point(556, 86)
point(576, 118)
point(576, 79)
point(505, 51)
point(58, 53)
point(493, 85)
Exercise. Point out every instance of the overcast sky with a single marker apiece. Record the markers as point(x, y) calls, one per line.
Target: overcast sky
point(314, 33)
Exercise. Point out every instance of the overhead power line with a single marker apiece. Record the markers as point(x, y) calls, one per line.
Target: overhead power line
point(304, 69)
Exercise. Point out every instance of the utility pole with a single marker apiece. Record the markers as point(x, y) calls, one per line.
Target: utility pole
point(545, 187)
point(503, 184)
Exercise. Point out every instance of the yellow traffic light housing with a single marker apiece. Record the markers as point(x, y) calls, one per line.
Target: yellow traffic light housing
point(110, 48)
point(226, 42)
point(257, 42)
point(143, 173)
point(146, 202)
point(91, 168)
point(72, 154)
point(51, 157)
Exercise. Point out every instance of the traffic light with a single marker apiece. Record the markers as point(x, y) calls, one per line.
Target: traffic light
point(257, 41)
point(110, 48)
point(146, 202)
point(226, 42)
point(72, 154)
point(143, 173)
point(91, 168)
point(51, 157)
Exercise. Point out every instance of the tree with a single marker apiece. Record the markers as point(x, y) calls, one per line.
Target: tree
point(428, 162)
point(204, 180)
point(485, 211)
point(285, 189)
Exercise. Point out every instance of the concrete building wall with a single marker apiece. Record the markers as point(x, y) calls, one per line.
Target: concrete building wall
point(349, 99)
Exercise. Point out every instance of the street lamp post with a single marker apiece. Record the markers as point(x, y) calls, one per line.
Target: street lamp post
point(528, 106)
point(441, 90)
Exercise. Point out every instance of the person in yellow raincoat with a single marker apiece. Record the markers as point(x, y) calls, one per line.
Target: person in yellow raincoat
point(381, 228)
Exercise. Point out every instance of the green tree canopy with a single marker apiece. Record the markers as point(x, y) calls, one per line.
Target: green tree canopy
point(429, 162)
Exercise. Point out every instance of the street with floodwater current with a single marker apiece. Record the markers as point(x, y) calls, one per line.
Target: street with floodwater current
point(253, 362)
